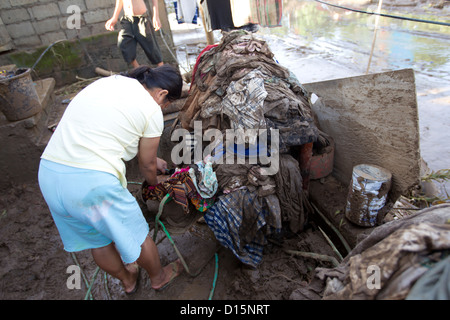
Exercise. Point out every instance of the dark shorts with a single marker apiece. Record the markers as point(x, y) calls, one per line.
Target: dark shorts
point(138, 29)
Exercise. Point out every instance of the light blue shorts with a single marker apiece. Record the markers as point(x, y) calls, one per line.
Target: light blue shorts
point(91, 209)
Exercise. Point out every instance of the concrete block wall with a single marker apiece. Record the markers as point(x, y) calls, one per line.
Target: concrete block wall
point(34, 23)
point(28, 27)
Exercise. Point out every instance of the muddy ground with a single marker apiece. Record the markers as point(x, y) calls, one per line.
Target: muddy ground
point(33, 264)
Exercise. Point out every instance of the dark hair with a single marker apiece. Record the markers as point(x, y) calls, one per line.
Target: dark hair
point(165, 77)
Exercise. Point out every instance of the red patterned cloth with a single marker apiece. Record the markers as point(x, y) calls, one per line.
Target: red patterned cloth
point(179, 186)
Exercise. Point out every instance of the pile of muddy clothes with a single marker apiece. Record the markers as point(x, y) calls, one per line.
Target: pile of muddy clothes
point(237, 86)
point(402, 259)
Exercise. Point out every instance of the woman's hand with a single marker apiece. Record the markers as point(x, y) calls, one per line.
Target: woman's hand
point(161, 165)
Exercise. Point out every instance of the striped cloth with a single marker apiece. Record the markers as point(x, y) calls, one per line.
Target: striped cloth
point(179, 186)
point(241, 220)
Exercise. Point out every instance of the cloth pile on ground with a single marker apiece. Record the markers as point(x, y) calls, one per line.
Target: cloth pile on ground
point(238, 85)
point(402, 259)
point(240, 78)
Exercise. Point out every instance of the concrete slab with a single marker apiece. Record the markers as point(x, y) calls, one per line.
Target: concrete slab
point(373, 119)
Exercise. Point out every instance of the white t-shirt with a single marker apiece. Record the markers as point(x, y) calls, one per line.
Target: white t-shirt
point(102, 125)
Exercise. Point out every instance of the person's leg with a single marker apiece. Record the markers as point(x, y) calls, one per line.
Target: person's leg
point(150, 261)
point(146, 37)
point(108, 259)
point(127, 43)
point(134, 63)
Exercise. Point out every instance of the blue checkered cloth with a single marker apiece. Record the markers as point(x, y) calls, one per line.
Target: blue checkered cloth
point(241, 220)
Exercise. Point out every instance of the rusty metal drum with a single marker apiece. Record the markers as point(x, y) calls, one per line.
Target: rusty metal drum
point(18, 96)
point(367, 195)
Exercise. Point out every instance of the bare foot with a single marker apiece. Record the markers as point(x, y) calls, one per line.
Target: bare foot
point(170, 272)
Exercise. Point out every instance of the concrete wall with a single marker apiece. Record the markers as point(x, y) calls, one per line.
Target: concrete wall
point(28, 27)
point(33, 23)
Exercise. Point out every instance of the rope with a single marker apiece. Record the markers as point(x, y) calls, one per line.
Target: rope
point(385, 15)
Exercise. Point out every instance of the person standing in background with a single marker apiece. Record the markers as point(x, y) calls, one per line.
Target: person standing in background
point(136, 28)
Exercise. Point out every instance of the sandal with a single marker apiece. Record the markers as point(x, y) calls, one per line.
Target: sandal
point(137, 280)
point(176, 271)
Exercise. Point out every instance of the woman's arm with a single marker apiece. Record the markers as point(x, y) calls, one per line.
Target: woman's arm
point(148, 148)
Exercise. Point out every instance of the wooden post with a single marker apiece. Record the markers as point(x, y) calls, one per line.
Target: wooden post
point(377, 18)
point(209, 34)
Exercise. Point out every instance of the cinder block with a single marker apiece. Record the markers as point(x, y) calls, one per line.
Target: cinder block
point(46, 11)
point(100, 15)
point(31, 41)
point(50, 37)
point(98, 28)
point(47, 25)
point(5, 5)
point(22, 29)
point(16, 3)
point(14, 15)
point(63, 5)
point(93, 5)
point(83, 32)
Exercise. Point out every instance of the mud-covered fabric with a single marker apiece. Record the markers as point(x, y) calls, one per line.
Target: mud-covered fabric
point(204, 179)
point(238, 84)
point(243, 103)
point(289, 194)
point(434, 284)
point(387, 263)
point(241, 220)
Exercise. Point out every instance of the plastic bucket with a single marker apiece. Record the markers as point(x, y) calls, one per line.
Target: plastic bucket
point(367, 195)
point(322, 161)
point(18, 97)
